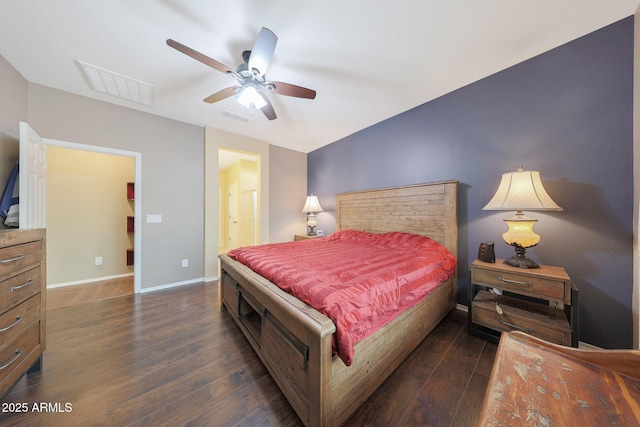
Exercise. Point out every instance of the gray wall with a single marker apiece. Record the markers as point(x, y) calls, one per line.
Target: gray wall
point(172, 170)
point(566, 113)
point(13, 102)
point(172, 154)
point(288, 186)
point(13, 109)
point(172, 173)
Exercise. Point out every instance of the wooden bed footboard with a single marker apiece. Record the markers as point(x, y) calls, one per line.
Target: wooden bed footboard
point(294, 341)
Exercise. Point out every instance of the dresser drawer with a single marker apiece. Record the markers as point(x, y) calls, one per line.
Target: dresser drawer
point(19, 288)
point(16, 351)
point(535, 319)
point(552, 287)
point(19, 257)
point(19, 318)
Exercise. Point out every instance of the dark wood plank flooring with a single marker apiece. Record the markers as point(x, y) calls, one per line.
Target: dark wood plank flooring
point(66, 296)
point(175, 358)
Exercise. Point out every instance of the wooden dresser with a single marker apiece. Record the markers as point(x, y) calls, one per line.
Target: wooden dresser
point(22, 304)
point(537, 383)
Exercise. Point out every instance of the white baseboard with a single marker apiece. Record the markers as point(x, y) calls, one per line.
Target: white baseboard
point(142, 291)
point(85, 281)
point(587, 346)
point(171, 285)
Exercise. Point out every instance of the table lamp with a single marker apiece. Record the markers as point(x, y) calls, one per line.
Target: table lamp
point(520, 191)
point(310, 207)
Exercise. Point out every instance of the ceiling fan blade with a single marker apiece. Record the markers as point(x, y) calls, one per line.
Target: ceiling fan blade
point(200, 57)
point(262, 52)
point(292, 90)
point(268, 110)
point(223, 94)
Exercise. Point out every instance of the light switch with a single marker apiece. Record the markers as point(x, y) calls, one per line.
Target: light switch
point(154, 219)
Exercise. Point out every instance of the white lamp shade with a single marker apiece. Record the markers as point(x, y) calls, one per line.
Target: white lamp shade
point(520, 191)
point(312, 204)
point(250, 97)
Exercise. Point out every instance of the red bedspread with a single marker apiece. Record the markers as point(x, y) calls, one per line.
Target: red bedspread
point(359, 280)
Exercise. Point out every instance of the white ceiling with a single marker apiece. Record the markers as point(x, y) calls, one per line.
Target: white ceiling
point(368, 60)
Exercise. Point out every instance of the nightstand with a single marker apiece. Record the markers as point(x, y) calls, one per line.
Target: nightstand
point(304, 237)
point(542, 302)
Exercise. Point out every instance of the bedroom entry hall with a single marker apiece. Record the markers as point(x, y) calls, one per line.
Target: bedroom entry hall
point(239, 199)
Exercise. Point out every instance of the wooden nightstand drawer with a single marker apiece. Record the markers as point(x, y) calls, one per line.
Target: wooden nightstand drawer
point(535, 319)
point(546, 282)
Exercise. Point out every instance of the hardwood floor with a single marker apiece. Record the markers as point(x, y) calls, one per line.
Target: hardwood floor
point(175, 357)
point(78, 294)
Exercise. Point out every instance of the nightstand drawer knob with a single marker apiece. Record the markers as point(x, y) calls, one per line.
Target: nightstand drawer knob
point(514, 282)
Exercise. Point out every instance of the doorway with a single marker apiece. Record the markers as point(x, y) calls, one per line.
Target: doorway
point(99, 265)
point(239, 189)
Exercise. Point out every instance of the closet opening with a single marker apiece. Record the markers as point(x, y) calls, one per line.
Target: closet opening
point(93, 215)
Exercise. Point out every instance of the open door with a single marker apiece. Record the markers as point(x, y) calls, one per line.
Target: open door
point(33, 178)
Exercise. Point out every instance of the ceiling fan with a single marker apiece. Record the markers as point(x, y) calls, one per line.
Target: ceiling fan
point(252, 83)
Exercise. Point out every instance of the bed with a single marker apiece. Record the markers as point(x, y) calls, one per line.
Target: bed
point(295, 341)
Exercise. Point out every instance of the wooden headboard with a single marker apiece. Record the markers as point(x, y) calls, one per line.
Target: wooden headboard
point(429, 209)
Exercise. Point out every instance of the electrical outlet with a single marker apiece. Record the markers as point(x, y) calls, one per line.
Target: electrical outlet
point(185, 263)
point(98, 261)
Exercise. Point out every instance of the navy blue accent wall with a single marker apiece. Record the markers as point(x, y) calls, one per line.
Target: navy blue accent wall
point(566, 113)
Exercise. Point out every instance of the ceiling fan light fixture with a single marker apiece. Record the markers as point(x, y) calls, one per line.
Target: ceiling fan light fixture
point(252, 83)
point(249, 97)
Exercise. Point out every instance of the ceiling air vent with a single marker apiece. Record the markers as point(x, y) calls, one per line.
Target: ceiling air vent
point(115, 84)
point(234, 116)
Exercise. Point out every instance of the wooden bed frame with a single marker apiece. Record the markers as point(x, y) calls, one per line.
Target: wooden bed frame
point(294, 340)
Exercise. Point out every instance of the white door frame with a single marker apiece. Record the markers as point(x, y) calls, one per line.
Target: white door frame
point(137, 202)
point(233, 224)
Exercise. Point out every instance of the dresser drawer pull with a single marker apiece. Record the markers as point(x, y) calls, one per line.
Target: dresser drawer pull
point(18, 258)
point(514, 282)
point(24, 285)
point(18, 320)
point(6, 365)
point(520, 328)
